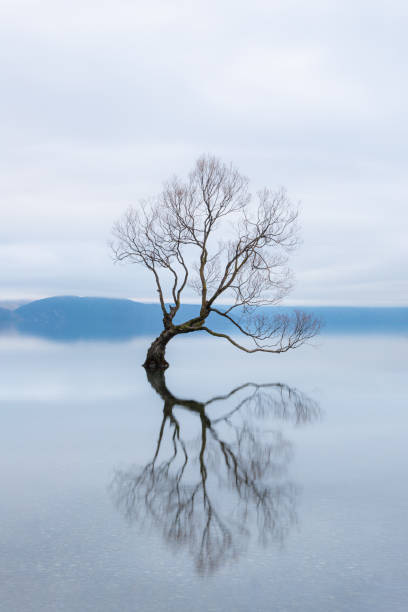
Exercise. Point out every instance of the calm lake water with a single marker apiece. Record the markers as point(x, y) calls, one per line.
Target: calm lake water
point(245, 483)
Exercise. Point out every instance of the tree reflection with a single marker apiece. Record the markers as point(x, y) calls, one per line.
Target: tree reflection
point(179, 490)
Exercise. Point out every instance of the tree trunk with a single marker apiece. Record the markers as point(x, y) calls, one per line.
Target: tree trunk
point(155, 359)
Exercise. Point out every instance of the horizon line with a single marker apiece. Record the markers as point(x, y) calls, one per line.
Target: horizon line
point(14, 303)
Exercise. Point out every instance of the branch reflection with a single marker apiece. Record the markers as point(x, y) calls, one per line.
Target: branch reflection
point(207, 493)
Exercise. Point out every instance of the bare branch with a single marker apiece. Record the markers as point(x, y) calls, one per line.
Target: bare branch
point(204, 232)
point(276, 335)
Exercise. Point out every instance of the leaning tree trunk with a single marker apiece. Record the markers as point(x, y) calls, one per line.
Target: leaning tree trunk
point(155, 358)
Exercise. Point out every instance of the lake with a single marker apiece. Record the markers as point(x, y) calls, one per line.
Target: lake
point(245, 483)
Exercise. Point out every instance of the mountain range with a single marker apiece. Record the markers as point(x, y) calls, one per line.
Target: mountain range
point(75, 318)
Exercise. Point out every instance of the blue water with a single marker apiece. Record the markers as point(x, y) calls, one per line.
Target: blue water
point(279, 481)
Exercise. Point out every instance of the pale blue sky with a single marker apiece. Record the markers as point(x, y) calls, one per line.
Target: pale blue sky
point(102, 100)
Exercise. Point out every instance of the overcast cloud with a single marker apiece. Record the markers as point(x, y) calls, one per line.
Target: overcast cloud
point(103, 100)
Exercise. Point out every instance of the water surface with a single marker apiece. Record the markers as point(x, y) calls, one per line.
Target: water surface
point(238, 482)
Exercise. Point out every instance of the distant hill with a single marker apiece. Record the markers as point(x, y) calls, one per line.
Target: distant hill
point(70, 317)
point(74, 318)
point(364, 320)
point(5, 317)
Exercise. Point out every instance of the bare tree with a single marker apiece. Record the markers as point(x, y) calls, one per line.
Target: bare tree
point(206, 233)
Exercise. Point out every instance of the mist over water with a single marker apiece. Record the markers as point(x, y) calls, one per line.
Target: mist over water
point(237, 482)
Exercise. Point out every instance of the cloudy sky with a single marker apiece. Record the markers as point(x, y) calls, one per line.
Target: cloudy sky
point(103, 100)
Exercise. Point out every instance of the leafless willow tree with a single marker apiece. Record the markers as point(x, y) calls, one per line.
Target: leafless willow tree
point(207, 232)
point(208, 494)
